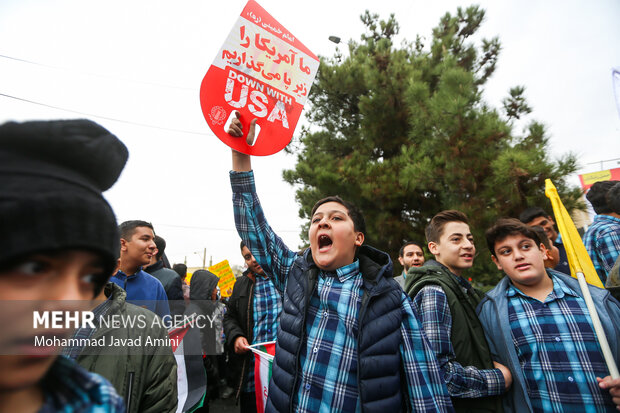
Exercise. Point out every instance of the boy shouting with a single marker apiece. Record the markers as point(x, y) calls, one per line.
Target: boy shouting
point(348, 339)
point(537, 323)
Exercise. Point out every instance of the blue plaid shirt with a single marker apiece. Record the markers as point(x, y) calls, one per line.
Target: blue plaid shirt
point(558, 351)
point(329, 358)
point(602, 240)
point(68, 388)
point(462, 381)
point(266, 307)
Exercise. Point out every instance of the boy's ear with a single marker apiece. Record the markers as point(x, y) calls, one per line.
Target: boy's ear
point(545, 251)
point(123, 245)
point(359, 239)
point(496, 262)
point(433, 247)
point(400, 259)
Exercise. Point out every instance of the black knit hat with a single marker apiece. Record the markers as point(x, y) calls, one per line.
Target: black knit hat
point(52, 174)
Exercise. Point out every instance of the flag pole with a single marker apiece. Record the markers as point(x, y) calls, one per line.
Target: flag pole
point(568, 232)
point(598, 327)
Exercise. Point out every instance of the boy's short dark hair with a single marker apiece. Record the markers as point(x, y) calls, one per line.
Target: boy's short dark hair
point(242, 245)
point(406, 244)
point(504, 227)
point(128, 228)
point(542, 235)
point(613, 198)
point(180, 269)
point(434, 229)
point(596, 196)
point(359, 224)
point(160, 243)
point(532, 213)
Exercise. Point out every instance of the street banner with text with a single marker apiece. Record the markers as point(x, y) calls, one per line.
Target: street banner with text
point(587, 180)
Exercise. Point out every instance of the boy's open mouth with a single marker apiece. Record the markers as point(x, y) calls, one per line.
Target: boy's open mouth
point(324, 243)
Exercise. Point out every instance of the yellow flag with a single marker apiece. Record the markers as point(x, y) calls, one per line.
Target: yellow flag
point(578, 258)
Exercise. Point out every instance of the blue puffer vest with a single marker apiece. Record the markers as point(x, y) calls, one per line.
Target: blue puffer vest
point(378, 341)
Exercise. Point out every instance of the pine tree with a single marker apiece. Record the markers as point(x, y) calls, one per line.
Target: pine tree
point(403, 132)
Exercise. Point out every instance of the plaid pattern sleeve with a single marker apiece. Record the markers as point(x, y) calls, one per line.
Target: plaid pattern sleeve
point(602, 240)
point(68, 388)
point(463, 382)
point(608, 244)
point(268, 249)
point(426, 390)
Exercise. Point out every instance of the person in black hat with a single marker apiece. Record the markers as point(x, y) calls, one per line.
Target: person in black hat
point(59, 245)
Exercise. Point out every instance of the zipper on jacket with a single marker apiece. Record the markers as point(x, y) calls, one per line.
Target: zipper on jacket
point(366, 296)
point(129, 390)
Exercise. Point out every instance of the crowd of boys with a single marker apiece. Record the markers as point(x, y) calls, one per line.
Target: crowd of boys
point(526, 346)
point(349, 336)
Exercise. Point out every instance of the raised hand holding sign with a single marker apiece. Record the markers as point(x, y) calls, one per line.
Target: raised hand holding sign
point(236, 128)
point(263, 72)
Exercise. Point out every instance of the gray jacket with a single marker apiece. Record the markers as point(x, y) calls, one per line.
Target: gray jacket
point(493, 314)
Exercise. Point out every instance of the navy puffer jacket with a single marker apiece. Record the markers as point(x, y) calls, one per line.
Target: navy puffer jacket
point(379, 338)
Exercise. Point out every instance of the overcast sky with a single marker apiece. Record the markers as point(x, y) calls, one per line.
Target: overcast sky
point(136, 67)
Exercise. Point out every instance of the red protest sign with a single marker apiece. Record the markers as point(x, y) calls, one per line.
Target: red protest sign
point(264, 72)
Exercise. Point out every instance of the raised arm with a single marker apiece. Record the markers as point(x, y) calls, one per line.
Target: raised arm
point(268, 249)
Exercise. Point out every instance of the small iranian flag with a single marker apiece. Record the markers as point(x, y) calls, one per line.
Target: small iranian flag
point(263, 358)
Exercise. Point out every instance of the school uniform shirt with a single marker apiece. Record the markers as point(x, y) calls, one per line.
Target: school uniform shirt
point(432, 307)
point(602, 240)
point(558, 351)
